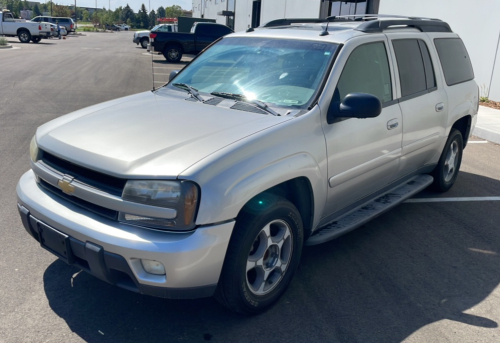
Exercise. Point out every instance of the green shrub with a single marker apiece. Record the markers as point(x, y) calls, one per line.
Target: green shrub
point(3, 41)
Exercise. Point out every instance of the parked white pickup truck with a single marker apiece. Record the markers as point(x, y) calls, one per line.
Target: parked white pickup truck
point(25, 30)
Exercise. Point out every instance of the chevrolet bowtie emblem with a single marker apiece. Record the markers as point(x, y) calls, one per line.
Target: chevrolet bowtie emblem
point(66, 186)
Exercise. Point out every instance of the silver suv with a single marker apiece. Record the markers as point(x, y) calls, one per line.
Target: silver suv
point(289, 134)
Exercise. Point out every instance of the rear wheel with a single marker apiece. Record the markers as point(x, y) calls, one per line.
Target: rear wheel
point(24, 36)
point(262, 256)
point(144, 43)
point(446, 171)
point(173, 53)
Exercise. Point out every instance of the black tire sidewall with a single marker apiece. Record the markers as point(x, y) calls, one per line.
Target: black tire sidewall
point(171, 47)
point(251, 223)
point(142, 41)
point(440, 183)
point(19, 36)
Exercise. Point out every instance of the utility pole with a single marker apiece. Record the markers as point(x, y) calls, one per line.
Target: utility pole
point(51, 8)
point(76, 19)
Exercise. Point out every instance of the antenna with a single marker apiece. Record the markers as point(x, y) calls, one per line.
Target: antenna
point(325, 31)
point(151, 51)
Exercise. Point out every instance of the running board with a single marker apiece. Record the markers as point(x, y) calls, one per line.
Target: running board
point(370, 210)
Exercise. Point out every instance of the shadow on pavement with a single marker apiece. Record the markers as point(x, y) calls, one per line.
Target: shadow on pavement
point(415, 265)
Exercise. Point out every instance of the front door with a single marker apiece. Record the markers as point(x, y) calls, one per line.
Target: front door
point(363, 154)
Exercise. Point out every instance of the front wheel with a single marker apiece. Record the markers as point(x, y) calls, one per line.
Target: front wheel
point(144, 43)
point(173, 53)
point(24, 36)
point(262, 256)
point(446, 171)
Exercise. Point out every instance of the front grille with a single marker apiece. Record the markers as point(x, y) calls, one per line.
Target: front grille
point(110, 184)
point(106, 212)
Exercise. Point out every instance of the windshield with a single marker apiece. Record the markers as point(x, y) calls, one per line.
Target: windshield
point(281, 72)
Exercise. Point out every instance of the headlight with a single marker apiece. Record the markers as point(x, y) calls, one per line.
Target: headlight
point(34, 149)
point(181, 196)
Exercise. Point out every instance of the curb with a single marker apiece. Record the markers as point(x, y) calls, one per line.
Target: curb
point(487, 134)
point(488, 124)
point(8, 46)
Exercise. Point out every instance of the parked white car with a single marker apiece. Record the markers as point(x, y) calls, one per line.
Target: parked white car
point(142, 37)
point(26, 31)
point(123, 27)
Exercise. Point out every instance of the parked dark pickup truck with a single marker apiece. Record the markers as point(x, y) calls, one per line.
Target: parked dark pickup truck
point(174, 44)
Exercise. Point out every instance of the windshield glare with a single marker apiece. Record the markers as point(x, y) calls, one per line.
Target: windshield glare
point(280, 72)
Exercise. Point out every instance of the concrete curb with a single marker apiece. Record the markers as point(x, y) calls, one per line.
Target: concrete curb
point(8, 46)
point(488, 124)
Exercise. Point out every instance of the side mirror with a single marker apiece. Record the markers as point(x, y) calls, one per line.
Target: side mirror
point(355, 105)
point(173, 74)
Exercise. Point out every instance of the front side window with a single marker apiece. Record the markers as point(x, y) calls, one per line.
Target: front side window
point(281, 72)
point(367, 71)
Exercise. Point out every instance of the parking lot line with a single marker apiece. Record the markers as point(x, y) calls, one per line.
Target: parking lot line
point(415, 200)
point(477, 142)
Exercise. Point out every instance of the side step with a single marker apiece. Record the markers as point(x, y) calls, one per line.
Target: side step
point(370, 210)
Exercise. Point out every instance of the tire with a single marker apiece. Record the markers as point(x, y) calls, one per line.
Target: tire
point(36, 39)
point(263, 254)
point(24, 36)
point(446, 171)
point(144, 43)
point(173, 53)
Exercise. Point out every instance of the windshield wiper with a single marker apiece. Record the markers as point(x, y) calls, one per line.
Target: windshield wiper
point(241, 97)
point(194, 92)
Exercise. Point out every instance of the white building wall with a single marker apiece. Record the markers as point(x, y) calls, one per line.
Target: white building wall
point(209, 9)
point(277, 9)
point(243, 15)
point(474, 21)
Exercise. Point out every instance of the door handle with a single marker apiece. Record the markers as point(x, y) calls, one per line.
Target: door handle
point(392, 124)
point(439, 107)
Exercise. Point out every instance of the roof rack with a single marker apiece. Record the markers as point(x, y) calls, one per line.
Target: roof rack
point(371, 23)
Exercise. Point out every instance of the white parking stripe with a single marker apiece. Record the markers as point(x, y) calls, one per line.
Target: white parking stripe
point(477, 142)
point(415, 200)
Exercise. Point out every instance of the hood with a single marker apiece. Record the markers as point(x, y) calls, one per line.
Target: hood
point(146, 135)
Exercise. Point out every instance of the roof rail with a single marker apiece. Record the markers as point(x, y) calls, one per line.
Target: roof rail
point(372, 22)
point(419, 24)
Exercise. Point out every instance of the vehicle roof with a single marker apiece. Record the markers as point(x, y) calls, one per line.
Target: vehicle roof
point(340, 29)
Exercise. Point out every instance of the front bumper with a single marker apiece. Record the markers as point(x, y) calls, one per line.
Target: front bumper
point(136, 40)
point(112, 251)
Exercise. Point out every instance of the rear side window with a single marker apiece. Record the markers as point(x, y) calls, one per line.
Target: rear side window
point(366, 71)
point(455, 60)
point(416, 73)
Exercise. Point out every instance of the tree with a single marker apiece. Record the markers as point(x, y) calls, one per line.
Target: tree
point(36, 10)
point(152, 18)
point(173, 11)
point(60, 11)
point(127, 14)
point(161, 12)
point(85, 15)
point(142, 19)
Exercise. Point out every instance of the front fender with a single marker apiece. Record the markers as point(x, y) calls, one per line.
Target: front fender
point(232, 176)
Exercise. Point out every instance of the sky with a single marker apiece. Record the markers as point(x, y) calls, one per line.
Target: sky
point(134, 4)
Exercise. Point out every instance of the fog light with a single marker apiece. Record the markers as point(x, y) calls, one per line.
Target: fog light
point(153, 267)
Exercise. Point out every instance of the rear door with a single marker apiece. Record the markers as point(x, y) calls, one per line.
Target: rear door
point(363, 154)
point(422, 98)
point(9, 26)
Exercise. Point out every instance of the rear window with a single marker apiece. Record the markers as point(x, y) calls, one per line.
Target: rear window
point(410, 65)
point(455, 60)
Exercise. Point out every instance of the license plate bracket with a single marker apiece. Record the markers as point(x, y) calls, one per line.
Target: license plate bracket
point(56, 242)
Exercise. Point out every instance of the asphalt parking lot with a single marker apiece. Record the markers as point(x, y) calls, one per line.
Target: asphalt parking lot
point(423, 272)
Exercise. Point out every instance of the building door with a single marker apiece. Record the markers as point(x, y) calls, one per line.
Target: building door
point(256, 6)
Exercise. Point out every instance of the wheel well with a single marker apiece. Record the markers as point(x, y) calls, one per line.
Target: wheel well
point(175, 44)
point(463, 125)
point(144, 38)
point(299, 192)
point(19, 30)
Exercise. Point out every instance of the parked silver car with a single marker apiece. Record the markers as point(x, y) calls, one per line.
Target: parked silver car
point(268, 140)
